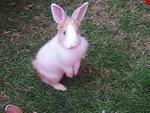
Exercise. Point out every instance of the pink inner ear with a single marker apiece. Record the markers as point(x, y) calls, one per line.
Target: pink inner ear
point(80, 14)
point(58, 13)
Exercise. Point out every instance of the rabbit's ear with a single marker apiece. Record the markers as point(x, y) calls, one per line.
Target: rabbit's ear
point(79, 13)
point(58, 13)
point(12, 109)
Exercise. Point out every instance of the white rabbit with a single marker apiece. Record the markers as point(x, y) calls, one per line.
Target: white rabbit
point(63, 53)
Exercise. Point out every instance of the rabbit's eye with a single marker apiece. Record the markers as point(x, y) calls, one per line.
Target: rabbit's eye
point(64, 32)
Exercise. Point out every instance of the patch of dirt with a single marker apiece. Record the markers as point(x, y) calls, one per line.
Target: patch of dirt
point(69, 4)
point(39, 23)
point(42, 25)
point(146, 18)
point(3, 96)
point(14, 36)
point(147, 44)
point(21, 19)
point(91, 69)
point(102, 14)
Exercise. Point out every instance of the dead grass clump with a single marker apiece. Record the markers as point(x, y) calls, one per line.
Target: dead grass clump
point(102, 14)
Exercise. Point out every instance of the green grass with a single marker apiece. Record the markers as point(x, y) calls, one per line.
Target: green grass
point(115, 76)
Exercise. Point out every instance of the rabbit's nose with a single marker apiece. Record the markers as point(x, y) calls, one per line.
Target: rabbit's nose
point(74, 46)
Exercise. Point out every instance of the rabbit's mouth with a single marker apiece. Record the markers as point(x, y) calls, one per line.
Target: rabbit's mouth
point(74, 46)
point(71, 45)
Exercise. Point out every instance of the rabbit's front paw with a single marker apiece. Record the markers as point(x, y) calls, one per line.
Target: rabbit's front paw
point(69, 72)
point(76, 68)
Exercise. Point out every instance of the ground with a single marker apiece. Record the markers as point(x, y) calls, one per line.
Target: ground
point(115, 75)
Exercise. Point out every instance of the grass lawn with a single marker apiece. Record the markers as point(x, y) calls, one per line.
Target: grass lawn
point(114, 77)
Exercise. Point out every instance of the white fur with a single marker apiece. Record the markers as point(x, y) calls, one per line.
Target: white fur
point(54, 60)
point(72, 39)
point(53, 55)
